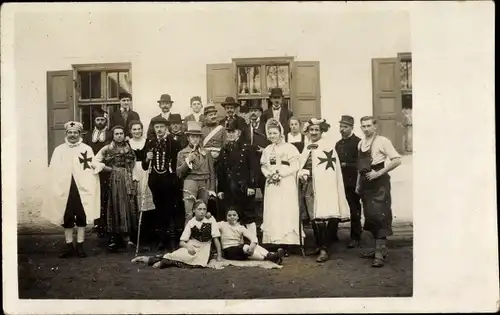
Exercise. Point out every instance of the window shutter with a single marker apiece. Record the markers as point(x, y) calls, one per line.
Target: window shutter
point(306, 100)
point(387, 106)
point(221, 83)
point(60, 106)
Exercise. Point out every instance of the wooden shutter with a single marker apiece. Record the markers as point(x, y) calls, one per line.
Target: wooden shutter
point(306, 96)
point(387, 106)
point(221, 83)
point(60, 106)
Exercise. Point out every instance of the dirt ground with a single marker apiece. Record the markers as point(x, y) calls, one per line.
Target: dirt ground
point(103, 275)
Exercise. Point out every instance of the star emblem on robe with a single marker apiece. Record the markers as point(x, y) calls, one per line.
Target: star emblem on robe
point(329, 160)
point(85, 160)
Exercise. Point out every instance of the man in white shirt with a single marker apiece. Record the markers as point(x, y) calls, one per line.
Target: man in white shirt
point(278, 111)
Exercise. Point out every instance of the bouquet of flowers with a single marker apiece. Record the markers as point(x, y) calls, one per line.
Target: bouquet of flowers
point(274, 178)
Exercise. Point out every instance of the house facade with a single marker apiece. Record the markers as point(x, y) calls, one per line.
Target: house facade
point(328, 64)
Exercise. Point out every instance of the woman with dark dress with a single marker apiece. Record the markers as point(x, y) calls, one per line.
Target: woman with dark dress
point(118, 158)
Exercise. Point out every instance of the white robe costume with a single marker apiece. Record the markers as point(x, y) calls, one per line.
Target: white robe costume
point(329, 194)
point(72, 160)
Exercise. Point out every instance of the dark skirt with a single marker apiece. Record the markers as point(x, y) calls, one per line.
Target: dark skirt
point(376, 198)
point(122, 203)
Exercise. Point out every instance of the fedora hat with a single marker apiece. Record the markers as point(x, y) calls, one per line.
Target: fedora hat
point(230, 101)
point(193, 128)
point(159, 120)
point(276, 92)
point(346, 119)
point(175, 119)
point(209, 109)
point(165, 98)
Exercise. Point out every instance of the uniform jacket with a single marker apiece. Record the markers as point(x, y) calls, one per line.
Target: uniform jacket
point(347, 150)
point(245, 137)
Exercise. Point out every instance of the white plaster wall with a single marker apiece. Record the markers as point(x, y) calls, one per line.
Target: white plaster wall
point(169, 49)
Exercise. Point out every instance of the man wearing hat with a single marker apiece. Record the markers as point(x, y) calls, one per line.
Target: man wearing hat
point(74, 194)
point(214, 134)
point(196, 107)
point(175, 128)
point(97, 139)
point(230, 106)
point(195, 166)
point(257, 131)
point(347, 150)
point(237, 173)
point(165, 102)
point(161, 159)
point(278, 111)
point(125, 115)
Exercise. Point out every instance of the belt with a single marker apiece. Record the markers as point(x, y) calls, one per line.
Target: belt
point(213, 149)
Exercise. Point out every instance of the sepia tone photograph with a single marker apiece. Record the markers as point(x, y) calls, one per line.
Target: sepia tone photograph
point(237, 159)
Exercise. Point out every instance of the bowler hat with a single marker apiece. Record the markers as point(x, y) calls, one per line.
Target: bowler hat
point(230, 101)
point(165, 98)
point(346, 119)
point(276, 92)
point(193, 128)
point(174, 119)
point(232, 124)
point(159, 120)
point(209, 109)
point(255, 104)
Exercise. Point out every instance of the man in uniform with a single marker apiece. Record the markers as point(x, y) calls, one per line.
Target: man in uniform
point(347, 150)
point(97, 139)
point(230, 106)
point(237, 176)
point(374, 186)
point(162, 151)
point(214, 134)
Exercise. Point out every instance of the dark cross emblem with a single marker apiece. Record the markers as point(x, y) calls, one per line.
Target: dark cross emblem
point(85, 160)
point(329, 160)
point(72, 124)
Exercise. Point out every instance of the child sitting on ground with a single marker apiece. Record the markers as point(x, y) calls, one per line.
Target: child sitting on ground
point(195, 242)
point(232, 240)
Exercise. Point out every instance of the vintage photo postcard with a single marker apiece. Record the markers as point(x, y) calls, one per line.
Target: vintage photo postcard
point(248, 157)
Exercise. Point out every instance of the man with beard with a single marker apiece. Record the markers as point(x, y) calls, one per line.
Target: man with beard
point(97, 139)
point(125, 115)
point(258, 139)
point(347, 149)
point(237, 176)
point(74, 194)
point(374, 186)
point(230, 106)
point(165, 102)
point(278, 111)
point(162, 151)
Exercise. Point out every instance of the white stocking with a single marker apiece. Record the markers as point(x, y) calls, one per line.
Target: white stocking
point(252, 228)
point(80, 234)
point(259, 253)
point(68, 235)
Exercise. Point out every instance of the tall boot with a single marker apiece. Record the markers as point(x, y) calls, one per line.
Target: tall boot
point(380, 253)
point(333, 228)
point(172, 235)
point(323, 242)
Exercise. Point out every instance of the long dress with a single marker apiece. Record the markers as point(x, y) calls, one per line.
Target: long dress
point(122, 196)
point(281, 203)
point(144, 196)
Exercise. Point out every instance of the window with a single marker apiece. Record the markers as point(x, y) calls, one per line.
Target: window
point(100, 86)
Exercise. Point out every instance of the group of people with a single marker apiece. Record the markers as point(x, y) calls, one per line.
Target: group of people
point(199, 177)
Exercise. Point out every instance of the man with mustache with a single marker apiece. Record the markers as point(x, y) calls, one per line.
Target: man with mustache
point(74, 194)
point(230, 106)
point(97, 139)
point(278, 111)
point(347, 150)
point(165, 103)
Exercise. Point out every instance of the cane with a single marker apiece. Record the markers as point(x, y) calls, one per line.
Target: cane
point(143, 200)
point(300, 228)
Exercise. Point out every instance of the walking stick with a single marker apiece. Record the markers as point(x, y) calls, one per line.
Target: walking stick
point(300, 227)
point(143, 200)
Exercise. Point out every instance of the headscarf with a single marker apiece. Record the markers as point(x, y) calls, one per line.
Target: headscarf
point(274, 123)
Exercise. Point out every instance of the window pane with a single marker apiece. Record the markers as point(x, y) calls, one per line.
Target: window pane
point(112, 85)
point(84, 78)
point(283, 78)
point(405, 71)
point(249, 80)
point(124, 82)
point(95, 85)
point(271, 77)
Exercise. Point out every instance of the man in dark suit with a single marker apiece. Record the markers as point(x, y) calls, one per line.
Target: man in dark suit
point(258, 138)
point(347, 150)
point(165, 102)
point(230, 106)
point(278, 111)
point(97, 139)
point(125, 115)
